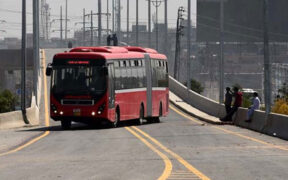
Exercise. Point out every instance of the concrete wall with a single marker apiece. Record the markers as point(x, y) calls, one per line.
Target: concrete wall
point(15, 119)
point(273, 124)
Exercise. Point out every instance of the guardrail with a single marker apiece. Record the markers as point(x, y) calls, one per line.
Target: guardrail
point(273, 124)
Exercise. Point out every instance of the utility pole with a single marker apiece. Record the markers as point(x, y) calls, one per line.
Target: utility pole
point(127, 22)
point(113, 16)
point(36, 56)
point(99, 22)
point(91, 30)
point(61, 25)
point(137, 23)
point(66, 19)
point(189, 45)
point(221, 62)
point(119, 20)
point(149, 23)
point(166, 26)
point(23, 63)
point(108, 17)
point(179, 33)
point(84, 27)
point(157, 4)
point(267, 68)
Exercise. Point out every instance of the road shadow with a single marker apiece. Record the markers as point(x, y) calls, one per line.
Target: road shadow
point(87, 127)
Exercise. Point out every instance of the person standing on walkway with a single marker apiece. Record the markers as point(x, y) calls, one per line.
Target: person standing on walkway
point(255, 106)
point(237, 103)
point(228, 100)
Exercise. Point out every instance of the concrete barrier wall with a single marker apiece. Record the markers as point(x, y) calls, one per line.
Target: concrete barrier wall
point(273, 124)
point(196, 100)
point(15, 119)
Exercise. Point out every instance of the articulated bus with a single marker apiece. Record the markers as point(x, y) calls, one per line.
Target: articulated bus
point(112, 84)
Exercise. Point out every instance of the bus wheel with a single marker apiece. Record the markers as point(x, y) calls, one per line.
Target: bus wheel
point(157, 119)
point(141, 117)
point(65, 124)
point(117, 120)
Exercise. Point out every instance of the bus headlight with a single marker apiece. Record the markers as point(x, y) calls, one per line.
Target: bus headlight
point(93, 113)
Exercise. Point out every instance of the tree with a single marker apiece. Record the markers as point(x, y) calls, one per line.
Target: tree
point(196, 86)
point(7, 101)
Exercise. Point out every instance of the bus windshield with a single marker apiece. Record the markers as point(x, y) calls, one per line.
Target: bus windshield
point(78, 80)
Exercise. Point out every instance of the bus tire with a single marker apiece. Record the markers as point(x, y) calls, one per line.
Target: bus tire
point(65, 124)
point(157, 119)
point(141, 116)
point(116, 123)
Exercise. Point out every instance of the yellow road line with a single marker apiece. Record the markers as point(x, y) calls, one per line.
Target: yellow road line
point(46, 133)
point(168, 164)
point(233, 133)
point(182, 114)
point(176, 156)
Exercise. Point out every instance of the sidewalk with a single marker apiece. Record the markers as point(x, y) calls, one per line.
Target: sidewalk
point(179, 103)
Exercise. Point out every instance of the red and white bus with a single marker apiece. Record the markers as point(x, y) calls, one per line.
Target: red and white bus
point(92, 84)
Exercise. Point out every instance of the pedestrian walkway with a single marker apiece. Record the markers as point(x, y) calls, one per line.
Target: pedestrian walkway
point(187, 108)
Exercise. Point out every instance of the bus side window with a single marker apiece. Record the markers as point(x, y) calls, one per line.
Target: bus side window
point(117, 78)
point(129, 83)
point(134, 77)
point(123, 78)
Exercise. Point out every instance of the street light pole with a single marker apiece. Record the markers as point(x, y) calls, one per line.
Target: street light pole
point(113, 16)
point(267, 68)
point(157, 4)
point(189, 46)
point(61, 26)
point(36, 55)
point(221, 62)
point(137, 23)
point(23, 63)
point(166, 25)
point(149, 23)
point(128, 21)
point(99, 22)
point(66, 19)
point(84, 27)
point(108, 17)
point(91, 30)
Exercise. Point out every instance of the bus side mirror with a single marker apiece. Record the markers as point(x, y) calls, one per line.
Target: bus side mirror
point(49, 70)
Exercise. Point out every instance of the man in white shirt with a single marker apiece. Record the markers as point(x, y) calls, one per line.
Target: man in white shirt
point(255, 106)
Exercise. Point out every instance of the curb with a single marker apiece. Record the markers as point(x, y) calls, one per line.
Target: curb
point(199, 117)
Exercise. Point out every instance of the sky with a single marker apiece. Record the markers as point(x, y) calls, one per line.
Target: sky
point(10, 11)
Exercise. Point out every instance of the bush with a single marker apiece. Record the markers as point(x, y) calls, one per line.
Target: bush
point(8, 101)
point(196, 86)
point(280, 106)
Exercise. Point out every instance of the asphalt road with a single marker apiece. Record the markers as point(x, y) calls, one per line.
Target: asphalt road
point(180, 147)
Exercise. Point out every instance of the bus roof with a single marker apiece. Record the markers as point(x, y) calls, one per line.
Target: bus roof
point(109, 52)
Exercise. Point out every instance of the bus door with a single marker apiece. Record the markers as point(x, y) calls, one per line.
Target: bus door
point(111, 85)
point(149, 84)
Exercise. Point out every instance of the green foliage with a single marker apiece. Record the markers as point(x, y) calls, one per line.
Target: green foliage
point(247, 101)
point(8, 101)
point(196, 86)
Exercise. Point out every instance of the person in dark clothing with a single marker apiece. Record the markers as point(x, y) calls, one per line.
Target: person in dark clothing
point(237, 103)
point(228, 100)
